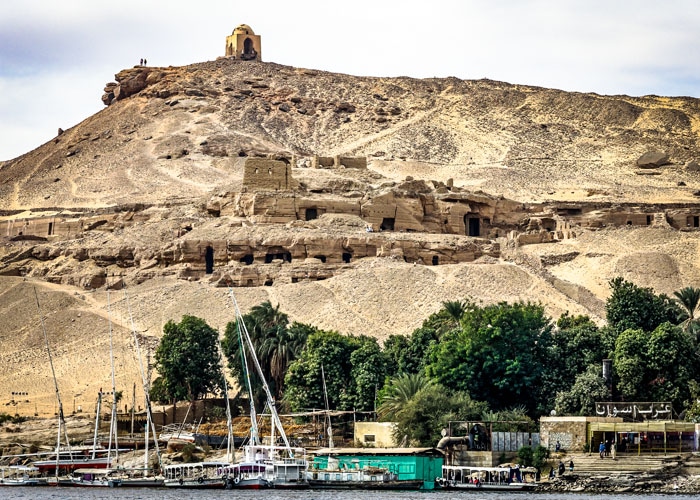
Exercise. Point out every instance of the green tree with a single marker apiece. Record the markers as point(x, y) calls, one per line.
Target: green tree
point(394, 348)
point(367, 374)
point(409, 354)
point(692, 406)
point(187, 360)
point(576, 344)
point(581, 397)
point(672, 365)
point(304, 383)
point(398, 392)
point(633, 307)
point(455, 309)
point(688, 299)
point(430, 410)
point(630, 365)
point(499, 356)
point(280, 349)
point(276, 345)
point(655, 367)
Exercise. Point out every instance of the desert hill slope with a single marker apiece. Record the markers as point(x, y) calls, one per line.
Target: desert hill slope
point(143, 188)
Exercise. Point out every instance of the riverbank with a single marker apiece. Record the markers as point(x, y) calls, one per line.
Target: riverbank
point(662, 474)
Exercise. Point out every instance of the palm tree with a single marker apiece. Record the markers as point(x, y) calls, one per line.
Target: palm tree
point(456, 309)
point(279, 348)
point(402, 389)
point(689, 299)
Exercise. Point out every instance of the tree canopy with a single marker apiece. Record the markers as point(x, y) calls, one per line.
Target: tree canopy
point(465, 361)
point(630, 307)
point(276, 343)
point(499, 355)
point(187, 360)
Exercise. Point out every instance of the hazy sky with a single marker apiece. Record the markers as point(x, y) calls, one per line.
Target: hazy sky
point(55, 57)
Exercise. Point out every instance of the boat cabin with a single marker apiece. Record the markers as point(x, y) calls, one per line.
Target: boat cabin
point(401, 464)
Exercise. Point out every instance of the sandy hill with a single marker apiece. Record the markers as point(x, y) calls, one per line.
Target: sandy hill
point(173, 139)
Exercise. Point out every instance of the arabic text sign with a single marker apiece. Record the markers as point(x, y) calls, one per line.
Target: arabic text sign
point(635, 411)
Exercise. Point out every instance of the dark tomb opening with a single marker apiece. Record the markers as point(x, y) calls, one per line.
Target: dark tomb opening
point(209, 259)
point(473, 225)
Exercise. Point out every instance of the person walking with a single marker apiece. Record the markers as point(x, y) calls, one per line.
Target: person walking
point(601, 449)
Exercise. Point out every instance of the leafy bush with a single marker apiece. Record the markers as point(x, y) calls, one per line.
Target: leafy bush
point(540, 456)
point(525, 456)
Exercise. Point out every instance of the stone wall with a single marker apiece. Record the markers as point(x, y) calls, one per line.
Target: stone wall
point(571, 432)
point(339, 161)
point(265, 174)
point(375, 434)
point(322, 162)
point(352, 161)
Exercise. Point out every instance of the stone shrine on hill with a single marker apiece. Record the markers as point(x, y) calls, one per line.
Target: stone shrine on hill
point(243, 44)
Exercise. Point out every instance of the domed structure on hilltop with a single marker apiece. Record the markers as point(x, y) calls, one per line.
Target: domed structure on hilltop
point(243, 44)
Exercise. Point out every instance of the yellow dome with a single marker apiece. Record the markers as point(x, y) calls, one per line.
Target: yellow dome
point(243, 29)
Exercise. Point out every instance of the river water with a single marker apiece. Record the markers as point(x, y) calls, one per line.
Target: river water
point(38, 493)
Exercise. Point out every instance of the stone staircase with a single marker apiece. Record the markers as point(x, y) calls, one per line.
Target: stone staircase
point(592, 464)
point(692, 465)
point(660, 220)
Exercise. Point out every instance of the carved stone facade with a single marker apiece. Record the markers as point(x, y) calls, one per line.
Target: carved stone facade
point(281, 231)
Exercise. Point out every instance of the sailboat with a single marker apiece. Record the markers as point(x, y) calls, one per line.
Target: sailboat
point(141, 478)
point(265, 465)
point(92, 476)
point(65, 460)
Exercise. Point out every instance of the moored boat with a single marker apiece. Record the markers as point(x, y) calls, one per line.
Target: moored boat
point(126, 480)
point(198, 475)
point(89, 478)
point(463, 477)
point(69, 461)
point(372, 478)
point(21, 475)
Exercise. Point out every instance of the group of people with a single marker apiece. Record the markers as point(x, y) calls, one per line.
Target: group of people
point(144, 62)
point(605, 448)
point(561, 468)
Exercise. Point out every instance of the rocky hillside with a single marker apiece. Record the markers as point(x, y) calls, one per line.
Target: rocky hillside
point(570, 190)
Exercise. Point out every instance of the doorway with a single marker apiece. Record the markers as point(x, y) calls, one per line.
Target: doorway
point(473, 226)
point(209, 259)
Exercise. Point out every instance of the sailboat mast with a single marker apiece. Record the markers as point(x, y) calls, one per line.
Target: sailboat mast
point(229, 421)
point(61, 418)
point(270, 400)
point(328, 414)
point(113, 422)
point(146, 391)
point(244, 362)
point(97, 423)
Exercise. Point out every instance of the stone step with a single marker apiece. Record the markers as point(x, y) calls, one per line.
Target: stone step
point(593, 464)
